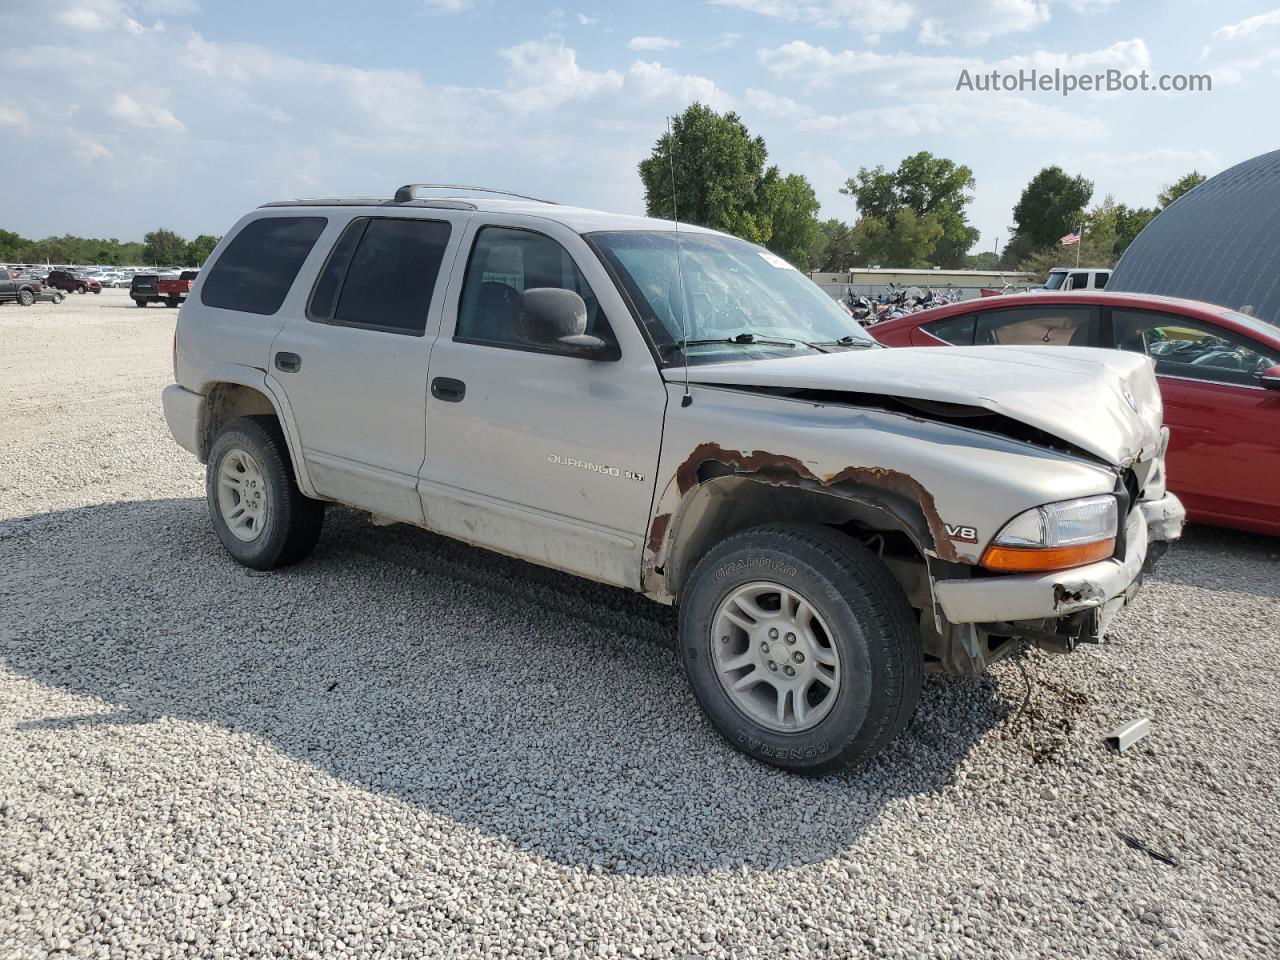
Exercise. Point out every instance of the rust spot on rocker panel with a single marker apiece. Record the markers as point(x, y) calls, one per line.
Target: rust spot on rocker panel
point(658, 533)
point(790, 471)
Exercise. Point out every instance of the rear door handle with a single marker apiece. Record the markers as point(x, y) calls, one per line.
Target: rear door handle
point(288, 362)
point(448, 389)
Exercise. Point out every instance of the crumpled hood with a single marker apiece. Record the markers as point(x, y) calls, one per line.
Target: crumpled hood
point(1103, 401)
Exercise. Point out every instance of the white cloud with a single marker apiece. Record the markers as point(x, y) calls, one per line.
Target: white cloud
point(1019, 119)
point(937, 22)
point(725, 41)
point(656, 81)
point(587, 21)
point(147, 116)
point(652, 43)
point(92, 17)
point(545, 73)
point(89, 150)
point(1239, 47)
point(15, 118)
point(910, 74)
point(1157, 166)
point(446, 6)
point(773, 105)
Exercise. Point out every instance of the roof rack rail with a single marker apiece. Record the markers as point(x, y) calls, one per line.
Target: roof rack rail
point(405, 193)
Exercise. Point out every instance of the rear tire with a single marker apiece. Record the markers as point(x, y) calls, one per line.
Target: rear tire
point(58, 296)
point(171, 302)
point(141, 303)
point(850, 651)
point(26, 298)
point(258, 512)
point(82, 289)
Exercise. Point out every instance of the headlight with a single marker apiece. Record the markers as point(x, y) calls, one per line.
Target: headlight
point(1056, 536)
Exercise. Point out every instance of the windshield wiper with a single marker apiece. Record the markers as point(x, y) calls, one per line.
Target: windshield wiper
point(739, 339)
point(844, 342)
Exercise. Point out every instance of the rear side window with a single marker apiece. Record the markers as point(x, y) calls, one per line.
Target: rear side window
point(1059, 326)
point(1100, 279)
point(1191, 349)
point(381, 275)
point(256, 270)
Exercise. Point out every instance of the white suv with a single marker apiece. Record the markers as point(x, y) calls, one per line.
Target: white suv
point(683, 414)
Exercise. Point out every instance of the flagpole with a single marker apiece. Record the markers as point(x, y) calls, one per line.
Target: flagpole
point(1079, 244)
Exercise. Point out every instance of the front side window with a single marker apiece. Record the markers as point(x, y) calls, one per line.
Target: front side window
point(713, 299)
point(506, 262)
point(1100, 280)
point(257, 268)
point(1055, 280)
point(1037, 326)
point(381, 275)
point(954, 330)
point(1191, 349)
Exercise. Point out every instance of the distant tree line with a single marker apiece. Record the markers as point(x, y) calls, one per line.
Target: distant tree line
point(162, 248)
point(913, 216)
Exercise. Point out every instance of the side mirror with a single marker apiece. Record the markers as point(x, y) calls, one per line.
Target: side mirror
point(557, 319)
point(1270, 378)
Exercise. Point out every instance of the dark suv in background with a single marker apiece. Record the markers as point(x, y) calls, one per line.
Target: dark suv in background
point(65, 280)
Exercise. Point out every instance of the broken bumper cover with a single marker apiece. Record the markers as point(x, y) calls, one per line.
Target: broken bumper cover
point(182, 412)
point(1108, 584)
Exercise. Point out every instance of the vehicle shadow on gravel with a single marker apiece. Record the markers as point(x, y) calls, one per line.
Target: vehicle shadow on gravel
point(537, 708)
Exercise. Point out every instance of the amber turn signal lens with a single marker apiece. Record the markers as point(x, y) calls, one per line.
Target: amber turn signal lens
point(1038, 559)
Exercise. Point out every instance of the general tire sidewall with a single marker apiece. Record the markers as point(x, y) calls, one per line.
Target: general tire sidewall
point(266, 547)
point(820, 745)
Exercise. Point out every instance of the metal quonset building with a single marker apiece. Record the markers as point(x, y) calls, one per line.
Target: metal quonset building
point(1219, 242)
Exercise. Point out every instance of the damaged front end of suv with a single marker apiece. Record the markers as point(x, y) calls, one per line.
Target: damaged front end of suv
point(1014, 493)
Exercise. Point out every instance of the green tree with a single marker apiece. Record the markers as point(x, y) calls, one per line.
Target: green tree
point(1129, 223)
point(198, 250)
point(1180, 186)
point(987, 260)
point(719, 174)
point(836, 247)
point(164, 248)
point(934, 191)
point(791, 208)
point(905, 241)
point(1050, 207)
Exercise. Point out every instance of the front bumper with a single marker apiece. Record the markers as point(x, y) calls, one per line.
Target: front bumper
point(1107, 585)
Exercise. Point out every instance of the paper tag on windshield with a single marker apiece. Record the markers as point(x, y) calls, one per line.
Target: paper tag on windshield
point(774, 260)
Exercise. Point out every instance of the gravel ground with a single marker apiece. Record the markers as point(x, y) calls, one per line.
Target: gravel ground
point(406, 747)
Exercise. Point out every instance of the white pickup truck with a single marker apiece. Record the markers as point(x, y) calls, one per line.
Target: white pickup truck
point(681, 413)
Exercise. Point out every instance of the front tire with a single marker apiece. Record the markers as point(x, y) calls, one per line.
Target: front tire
point(800, 647)
point(82, 289)
point(141, 303)
point(171, 302)
point(262, 518)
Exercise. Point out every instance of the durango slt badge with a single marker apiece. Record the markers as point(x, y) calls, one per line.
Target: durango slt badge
point(593, 467)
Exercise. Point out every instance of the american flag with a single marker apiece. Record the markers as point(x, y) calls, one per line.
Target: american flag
point(1070, 238)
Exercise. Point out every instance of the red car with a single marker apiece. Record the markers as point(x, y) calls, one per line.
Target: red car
point(1219, 374)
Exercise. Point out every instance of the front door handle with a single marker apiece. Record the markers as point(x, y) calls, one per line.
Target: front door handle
point(448, 389)
point(288, 362)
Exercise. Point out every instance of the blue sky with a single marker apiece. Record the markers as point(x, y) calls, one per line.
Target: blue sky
point(121, 115)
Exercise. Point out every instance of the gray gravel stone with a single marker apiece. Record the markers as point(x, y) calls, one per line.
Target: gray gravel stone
point(405, 747)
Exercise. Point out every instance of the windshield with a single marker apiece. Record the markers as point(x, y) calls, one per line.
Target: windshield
point(1055, 280)
point(731, 288)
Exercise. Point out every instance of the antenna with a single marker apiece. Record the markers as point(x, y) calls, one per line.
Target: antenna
point(684, 318)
